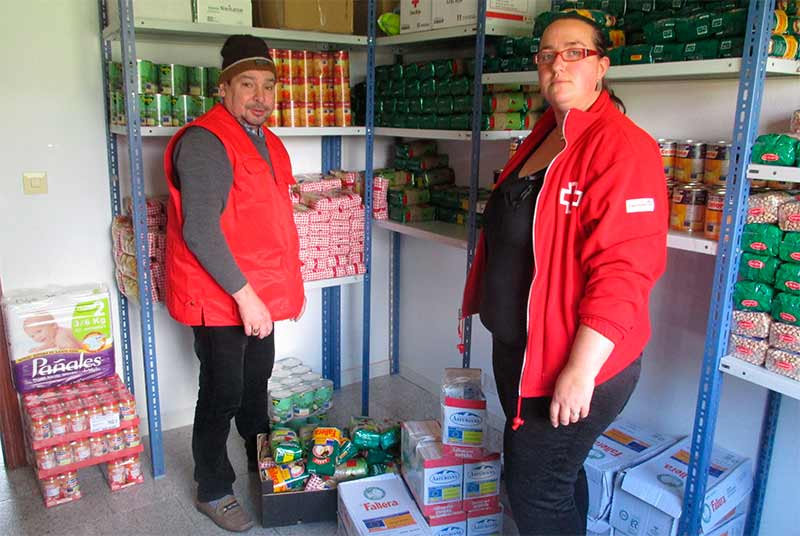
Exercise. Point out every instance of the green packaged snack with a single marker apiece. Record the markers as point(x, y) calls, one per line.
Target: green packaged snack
point(729, 23)
point(374, 456)
point(693, 28)
point(787, 278)
point(774, 150)
point(668, 52)
point(783, 46)
point(752, 296)
point(397, 89)
point(347, 451)
point(411, 71)
point(510, 65)
point(526, 63)
point(383, 468)
point(789, 249)
point(324, 450)
point(661, 31)
point(615, 55)
point(505, 47)
point(432, 161)
point(442, 122)
point(364, 433)
point(637, 54)
point(615, 7)
point(434, 177)
point(444, 105)
point(791, 7)
point(449, 215)
point(429, 105)
point(280, 434)
point(390, 435)
point(526, 46)
point(731, 48)
point(287, 452)
point(461, 121)
point(396, 72)
point(382, 73)
point(351, 470)
point(388, 106)
point(448, 196)
point(382, 88)
point(305, 436)
point(445, 69)
point(463, 104)
point(428, 88)
point(413, 121)
point(765, 239)
point(407, 197)
point(701, 50)
point(443, 88)
point(401, 107)
point(758, 268)
point(412, 214)
point(460, 86)
point(786, 308)
point(412, 88)
point(415, 105)
point(601, 18)
point(426, 71)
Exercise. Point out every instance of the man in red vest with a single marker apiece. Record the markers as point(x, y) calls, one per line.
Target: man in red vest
point(232, 264)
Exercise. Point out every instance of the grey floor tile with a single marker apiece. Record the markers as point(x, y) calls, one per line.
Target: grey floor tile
point(18, 484)
point(309, 529)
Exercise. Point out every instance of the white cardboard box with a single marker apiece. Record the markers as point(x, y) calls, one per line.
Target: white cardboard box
point(623, 444)
point(229, 12)
point(436, 481)
point(733, 527)
point(597, 527)
point(482, 482)
point(649, 497)
point(487, 522)
point(416, 15)
point(154, 9)
point(511, 13)
point(452, 525)
point(379, 504)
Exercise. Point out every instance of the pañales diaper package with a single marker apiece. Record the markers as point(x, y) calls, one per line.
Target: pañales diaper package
point(58, 335)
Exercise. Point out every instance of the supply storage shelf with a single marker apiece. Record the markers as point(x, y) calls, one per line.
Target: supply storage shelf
point(335, 282)
point(689, 242)
point(281, 132)
point(443, 34)
point(159, 28)
point(464, 135)
point(773, 173)
point(680, 70)
point(760, 376)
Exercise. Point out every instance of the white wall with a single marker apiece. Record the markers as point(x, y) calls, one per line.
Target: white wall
point(665, 398)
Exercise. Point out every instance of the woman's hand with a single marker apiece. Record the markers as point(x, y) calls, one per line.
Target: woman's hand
point(572, 397)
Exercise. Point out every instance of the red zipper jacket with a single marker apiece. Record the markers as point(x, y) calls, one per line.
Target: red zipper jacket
point(599, 243)
point(257, 224)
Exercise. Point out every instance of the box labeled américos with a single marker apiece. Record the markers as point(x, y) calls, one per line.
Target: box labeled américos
point(435, 480)
point(487, 522)
point(482, 482)
point(451, 525)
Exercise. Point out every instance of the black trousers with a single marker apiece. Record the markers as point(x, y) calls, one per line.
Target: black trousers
point(234, 370)
point(544, 473)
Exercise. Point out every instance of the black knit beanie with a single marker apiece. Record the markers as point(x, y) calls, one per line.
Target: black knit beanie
point(242, 53)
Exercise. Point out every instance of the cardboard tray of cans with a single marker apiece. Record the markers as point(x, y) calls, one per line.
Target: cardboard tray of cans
point(125, 453)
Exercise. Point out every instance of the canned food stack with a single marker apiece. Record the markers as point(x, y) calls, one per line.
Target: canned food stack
point(313, 89)
point(75, 426)
point(297, 395)
point(170, 95)
point(316, 458)
point(124, 249)
point(418, 171)
point(652, 31)
point(765, 330)
point(785, 30)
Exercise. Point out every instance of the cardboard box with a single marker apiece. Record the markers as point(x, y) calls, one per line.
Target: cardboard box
point(485, 522)
point(229, 12)
point(463, 427)
point(293, 507)
point(452, 525)
point(436, 481)
point(413, 433)
point(156, 9)
point(332, 16)
point(624, 444)
point(379, 504)
point(416, 15)
point(510, 13)
point(649, 497)
point(482, 482)
point(597, 527)
point(733, 527)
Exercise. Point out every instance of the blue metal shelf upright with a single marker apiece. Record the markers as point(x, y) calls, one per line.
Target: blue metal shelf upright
point(748, 110)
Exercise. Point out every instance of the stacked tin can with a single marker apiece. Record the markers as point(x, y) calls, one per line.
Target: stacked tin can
point(297, 394)
point(696, 173)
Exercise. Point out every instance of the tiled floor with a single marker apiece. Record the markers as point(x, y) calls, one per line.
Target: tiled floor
point(165, 506)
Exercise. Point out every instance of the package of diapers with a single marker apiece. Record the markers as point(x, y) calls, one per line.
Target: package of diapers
point(58, 335)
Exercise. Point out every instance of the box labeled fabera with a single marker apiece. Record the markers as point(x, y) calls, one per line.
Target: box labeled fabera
point(482, 482)
point(416, 15)
point(379, 505)
point(649, 497)
point(624, 444)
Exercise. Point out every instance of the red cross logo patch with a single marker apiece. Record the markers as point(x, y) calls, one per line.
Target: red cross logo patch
point(570, 197)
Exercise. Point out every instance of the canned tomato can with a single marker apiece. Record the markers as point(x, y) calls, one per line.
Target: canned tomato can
point(688, 208)
point(717, 164)
point(341, 64)
point(163, 110)
point(172, 79)
point(311, 119)
point(197, 77)
point(668, 149)
point(147, 81)
point(343, 113)
point(713, 217)
point(690, 161)
point(328, 114)
point(181, 105)
point(293, 114)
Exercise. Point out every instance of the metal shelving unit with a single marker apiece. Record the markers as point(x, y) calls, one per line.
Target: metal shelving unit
point(126, 30)
point(460, 135)
point(754, 67)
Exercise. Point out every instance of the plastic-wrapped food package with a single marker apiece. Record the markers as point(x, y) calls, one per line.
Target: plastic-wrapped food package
point(774, 150)
point(351, 470)
point(324, 450)
point(747, 349)
point(763, 239)
point(763, 207)
point(758, 268)
point(789, 216)
point(288, 477)
point(751, 324)
point(789, 249)
point(463, 412)
point(787, 278)
point(784, 363)
point(365, 433)
point(786, 308)
point(784, 337)
point(753, 296)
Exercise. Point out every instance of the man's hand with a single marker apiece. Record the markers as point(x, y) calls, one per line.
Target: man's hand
point(256, 319)
point(302, 311)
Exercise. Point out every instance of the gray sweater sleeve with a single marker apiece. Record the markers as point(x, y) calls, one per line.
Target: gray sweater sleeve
point(204, 177)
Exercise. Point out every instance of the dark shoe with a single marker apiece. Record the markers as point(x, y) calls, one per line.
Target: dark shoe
point(228, 514)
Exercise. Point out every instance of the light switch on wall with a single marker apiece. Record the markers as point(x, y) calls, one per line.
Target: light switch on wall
point(34, 182)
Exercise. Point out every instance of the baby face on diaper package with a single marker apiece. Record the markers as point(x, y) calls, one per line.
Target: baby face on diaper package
point(58, 335)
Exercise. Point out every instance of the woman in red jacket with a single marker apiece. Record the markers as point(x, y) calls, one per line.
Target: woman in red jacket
point(574, 240)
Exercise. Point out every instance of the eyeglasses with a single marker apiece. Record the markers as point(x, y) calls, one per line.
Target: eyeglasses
point(547, 57)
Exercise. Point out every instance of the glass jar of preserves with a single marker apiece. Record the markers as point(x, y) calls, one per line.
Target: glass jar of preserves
point(115, 441)
point(45, 459)
point(58, 423)
point(98, 446)
point(63, 454)
point(81, 450)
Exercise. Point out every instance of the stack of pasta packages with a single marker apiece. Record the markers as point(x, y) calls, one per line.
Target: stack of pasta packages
point(766, 321)
point(330, 225)
point(124, 246)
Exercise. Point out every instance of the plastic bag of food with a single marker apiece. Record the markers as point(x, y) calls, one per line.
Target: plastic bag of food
point(774, 150)
point(288, 477)
point(660, 31)
point(637, 54)
point(305, 435)
point(786, 308)
point(762, 239)
point(463, 383)
point(784, 363)
point(691, 28)
point(434, 177)
point(319, 483)
point(347, 451)
point(287, 452)
point(789, 249)
point(351, 470)
point(412, 214)
point(729, 23)
point(383, 468)
point(390, 434)
point(751, 324)
point(763, 207)
point(668, 52)
point(752, 296)
point(408, 196)
point(789, 216)
point(280, 434)
point(758, 268)
point(324, 450)
point(751, 350)
point(705, 49)
point(787, 278)
point(374, 456)
point(784, 337)
point(365, 433)
point(601, 18)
